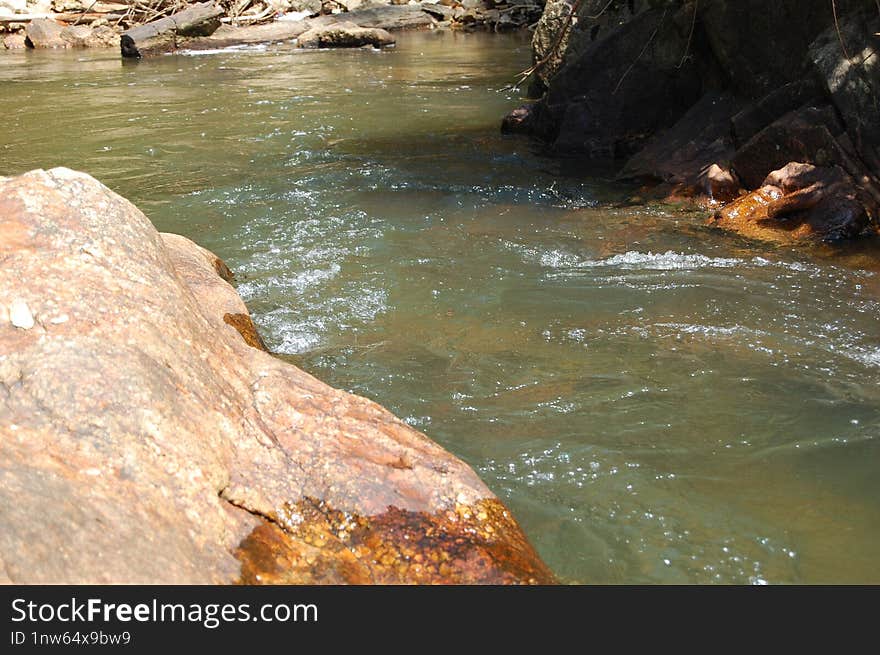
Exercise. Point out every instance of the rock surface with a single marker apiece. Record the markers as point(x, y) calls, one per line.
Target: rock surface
point(344, 35)
point(700, 96)
point(799, 200)
point(44, 33)
point(143, 440)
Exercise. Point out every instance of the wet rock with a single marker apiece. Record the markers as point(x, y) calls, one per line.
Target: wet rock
point(320, 543)
point(518, 121)
point(344, 35)
point(144, 440)
point(720, 184)
point(799, 202)
point(45, 33)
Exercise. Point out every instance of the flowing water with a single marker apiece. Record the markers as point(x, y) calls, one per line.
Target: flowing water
point(657, 402)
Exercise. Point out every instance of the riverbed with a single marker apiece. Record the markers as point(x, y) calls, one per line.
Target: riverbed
point(656, 401)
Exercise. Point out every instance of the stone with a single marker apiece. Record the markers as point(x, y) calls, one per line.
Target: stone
point(438, 11)
point(482, 5)
point(145, 439)
point(344, 35)
point(550, 43)
point(807, 135)
point(759, 114)
point(351, 5)
point(605, 102)
point(82, 36)
point(45, 33)
point(20, 315)
point(103, 36)
point(681, 155)
point(720, 184)
point(15, 41)
point(518, 120)
point(763, 45)
point(850, 74)
point(799, 202)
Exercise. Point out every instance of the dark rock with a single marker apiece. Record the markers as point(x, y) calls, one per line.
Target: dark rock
point(682, 154)
point(759, 114)
point(518, 121)
point(806, 135)
point(762, 45)
point(344, 35)
point(849, 66)
point(556, 38)
point(44, 33)
point(623, 88)
point(144, 440)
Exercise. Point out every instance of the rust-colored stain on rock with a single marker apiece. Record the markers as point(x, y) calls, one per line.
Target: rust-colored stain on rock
point(311, 542)
point(246, 328)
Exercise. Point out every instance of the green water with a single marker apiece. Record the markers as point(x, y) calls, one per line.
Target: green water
point(656, 402)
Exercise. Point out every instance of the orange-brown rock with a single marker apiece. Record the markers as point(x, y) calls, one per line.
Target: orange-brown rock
point(800, 201)
point(720, 184)
point(143, 440)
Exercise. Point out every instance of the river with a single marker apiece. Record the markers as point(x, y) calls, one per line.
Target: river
point(656, 401)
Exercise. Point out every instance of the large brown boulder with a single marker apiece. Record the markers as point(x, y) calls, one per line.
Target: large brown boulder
point(143, 440)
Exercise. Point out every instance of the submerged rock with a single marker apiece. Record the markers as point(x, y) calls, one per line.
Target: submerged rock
point(144, 439)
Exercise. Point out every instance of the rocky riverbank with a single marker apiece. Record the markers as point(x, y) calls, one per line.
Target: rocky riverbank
point(767, 112)
point(52, 24)
point(146, 437)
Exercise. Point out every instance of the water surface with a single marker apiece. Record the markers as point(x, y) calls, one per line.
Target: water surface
point(657, 402)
